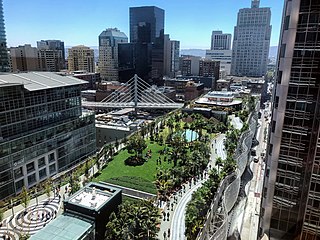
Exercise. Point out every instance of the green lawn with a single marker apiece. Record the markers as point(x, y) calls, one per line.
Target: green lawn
point(138, 177)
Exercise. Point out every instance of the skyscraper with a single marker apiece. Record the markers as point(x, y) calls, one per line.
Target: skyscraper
point(81, 58)
point(291, 199)
point(147, 32)
point(108, 53)
point(4, 59)
point(220, 41)
point(24, 58)
point(251, 41)
point(51, 55)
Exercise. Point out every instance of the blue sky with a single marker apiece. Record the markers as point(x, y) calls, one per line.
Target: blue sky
point(81, 21)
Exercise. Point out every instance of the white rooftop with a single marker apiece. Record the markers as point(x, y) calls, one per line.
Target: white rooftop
point(34, 81)
point(90, 198)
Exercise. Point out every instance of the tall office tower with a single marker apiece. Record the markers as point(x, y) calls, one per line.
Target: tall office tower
point(251, 41)
point(4, 59)
point(147, 32)
point(291, 200)
point(220, 41)
point(171, 56)
point(24, 58)
point(81, 58)
point(42, 128)
point(108, 53)
point(52, 55)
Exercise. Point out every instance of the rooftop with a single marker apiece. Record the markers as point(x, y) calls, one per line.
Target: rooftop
point(90, 198)
point(64, 227)
point(34, 81)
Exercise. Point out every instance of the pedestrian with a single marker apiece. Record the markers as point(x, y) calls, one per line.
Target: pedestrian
point(164, 215)
point(171, 206)
point(169, 233)
point(168, 215)
point(164, 235)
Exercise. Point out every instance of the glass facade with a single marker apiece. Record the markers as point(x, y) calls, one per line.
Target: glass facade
point(292, 199)
point(147, 32)
point(42, 133)
point(4, 59)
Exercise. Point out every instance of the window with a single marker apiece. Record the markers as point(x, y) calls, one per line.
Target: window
point(282, 50)
point(31, 179)
point(18, 172)
point(42, 173)
point(270, 148)
point(273, 127)
point(51, 157)
point(279, 77)
point(52, 168)
point(276, 102)
point(30, 167)
point(286, 22)
point(41, 162)
point(19, 185)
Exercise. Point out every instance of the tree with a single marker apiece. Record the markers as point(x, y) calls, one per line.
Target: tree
point(25, 198)
point(75, 184)
point(136, 144)
point(137, 220)
point(47, 187)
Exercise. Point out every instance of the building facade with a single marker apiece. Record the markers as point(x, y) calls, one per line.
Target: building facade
point(147, 33)
point(51, 55)
point(171, 56)
point(224, 57)
point(24, 58)
point(251, 41)
point(81, 58)
point(190, 65)
point(4, 59)
point(43, 130)
point(108, 53)
point(220, 41)
point(209, 68)
point(291, 196)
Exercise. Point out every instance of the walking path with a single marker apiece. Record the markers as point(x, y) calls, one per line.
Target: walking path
point(173, 212)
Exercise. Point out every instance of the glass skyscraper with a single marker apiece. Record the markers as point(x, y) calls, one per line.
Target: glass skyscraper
point(147, 33)
point(291, 196)
point(43, 130)
point(4, 59)
point(251, 41)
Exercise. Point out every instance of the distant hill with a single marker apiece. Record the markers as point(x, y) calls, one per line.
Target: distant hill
point(193, 52)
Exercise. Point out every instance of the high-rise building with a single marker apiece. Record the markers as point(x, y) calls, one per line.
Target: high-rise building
point(43, 130)
point(108, 53)
point(189, 65)
point(52, 55)
point(24, 58)
point(251, 41)
point(171, 56)
point(4, 59)
point(220, 41)
point(291, 196)
point(147, 32)
point(81, 58)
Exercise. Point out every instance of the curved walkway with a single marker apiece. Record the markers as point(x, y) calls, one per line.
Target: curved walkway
point(176, 206)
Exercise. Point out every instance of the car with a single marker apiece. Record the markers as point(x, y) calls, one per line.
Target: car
point(255, 160)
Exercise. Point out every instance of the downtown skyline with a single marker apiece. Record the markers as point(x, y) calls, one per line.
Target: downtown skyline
point(28, 23)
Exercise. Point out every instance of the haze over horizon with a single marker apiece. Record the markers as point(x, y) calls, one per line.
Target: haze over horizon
point(77, 23)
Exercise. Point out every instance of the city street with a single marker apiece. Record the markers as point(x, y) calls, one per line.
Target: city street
point(249, 228)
